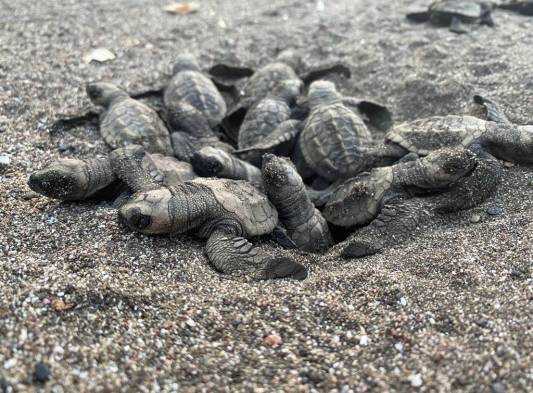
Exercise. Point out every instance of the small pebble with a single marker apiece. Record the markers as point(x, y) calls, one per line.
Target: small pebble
point(364, 340)
point(494, 210)
point(272, 340)
point(4, 161)
point(475, 218)
point(416, 380)
point(41, 373)
point(498, 387)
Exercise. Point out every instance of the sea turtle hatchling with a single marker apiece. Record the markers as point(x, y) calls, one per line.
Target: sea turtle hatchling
point(189, 85)
point(265, 117)
point(126, 121)
point(496, 135)
point(455, 14)
point(225, 212)
point(358, 201)
point(305, 225)
point(524, 7)
point(71, 179)
point(335, 142)
point(402, 217)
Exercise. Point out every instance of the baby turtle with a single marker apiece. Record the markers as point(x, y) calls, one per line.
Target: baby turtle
point(266, 116)
point(335, 142)
point(189, 85)
point(70, 179)
point(213, 162)
point(285, 188)
point(524, 7)
point(225, 212)
point(190, 131)
point(357, 201)
point(496, 135)
point(126, 121)
point(266, 79)
point(454, 14)
point(403, 217)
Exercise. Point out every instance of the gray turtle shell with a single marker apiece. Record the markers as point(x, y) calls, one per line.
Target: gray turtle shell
point(197, 90)
point(422, 136)
point(266, 79)
point(252, 208)
point(261, 120)
point(443, 11)
point(331, 139)
point(128, 122)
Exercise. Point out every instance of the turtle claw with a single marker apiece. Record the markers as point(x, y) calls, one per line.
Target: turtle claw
point(283, 267)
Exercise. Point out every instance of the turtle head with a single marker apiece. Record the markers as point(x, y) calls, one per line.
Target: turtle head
point(290, 57)
point(278, 172)
point(185, 62)
point(210, 161)
point(321, 93)
point(443, 167)
point(148, 212)
point(102, 93)
point(63, 179)
point(288, 90)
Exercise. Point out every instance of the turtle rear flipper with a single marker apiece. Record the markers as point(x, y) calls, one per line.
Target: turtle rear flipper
point(234, 254)
point(373, 112)
point(494, 111)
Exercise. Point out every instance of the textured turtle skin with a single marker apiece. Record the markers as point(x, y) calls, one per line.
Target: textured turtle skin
point(225, 212)
point(402, 219)
point(333, 141)
point(305, 224)
point(127, 121)
point(357, 201)
point(442, 11)
point(194, 88)
point(71, 179)
point(506, 141)
point(142, 171)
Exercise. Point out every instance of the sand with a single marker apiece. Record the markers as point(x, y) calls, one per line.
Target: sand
point(450, 311)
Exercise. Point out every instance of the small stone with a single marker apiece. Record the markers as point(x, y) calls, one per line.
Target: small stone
point(10, 363)
point(41, 373)
point(498, 387)
point(399, 346)
point(30, 195)
point(494, 210)
point(4, 161)
point(272, 340)
point(416, 380)
point(364, 340)
point(475, 218)
point(59, 305)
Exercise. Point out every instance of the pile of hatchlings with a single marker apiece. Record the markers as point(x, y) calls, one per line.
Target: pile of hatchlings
point(290, 158)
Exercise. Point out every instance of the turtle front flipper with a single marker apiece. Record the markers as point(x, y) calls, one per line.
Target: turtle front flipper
point(418, 16)
point(233, 254)
point(71, 179)
point(399, 220)
point(212, 162)
point(494, 111)
point(374, 113)
point(135, 167)
point(280, 142)
point(457, 26)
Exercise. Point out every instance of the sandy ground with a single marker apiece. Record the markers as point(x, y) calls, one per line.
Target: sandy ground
point(450, 311)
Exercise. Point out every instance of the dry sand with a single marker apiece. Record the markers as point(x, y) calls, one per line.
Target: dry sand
point(451, 310)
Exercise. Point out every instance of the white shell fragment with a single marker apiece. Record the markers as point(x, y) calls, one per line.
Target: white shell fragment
point(181, 8)
point(100, 55)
